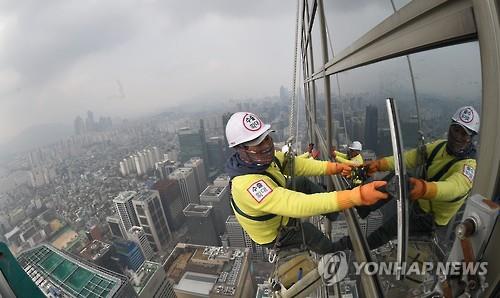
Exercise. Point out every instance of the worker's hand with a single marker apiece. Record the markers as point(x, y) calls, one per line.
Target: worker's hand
point(421, 189)
point(334, 168)
point(376, 166)
point(363, 195)
point(315, 154)
point(333, 152)
point(370, 193)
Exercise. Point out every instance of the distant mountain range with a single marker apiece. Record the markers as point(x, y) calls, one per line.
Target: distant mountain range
point(36, 136)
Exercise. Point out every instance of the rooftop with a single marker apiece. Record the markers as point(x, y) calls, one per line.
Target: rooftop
point(66, 273)
point(197, 210)
point(95, 250)
point(205, 269)
point(213, 191)
point(143, 275)
point(144, 195)
point(124, 196)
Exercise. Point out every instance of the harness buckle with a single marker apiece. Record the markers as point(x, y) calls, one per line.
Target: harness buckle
point(272, 256)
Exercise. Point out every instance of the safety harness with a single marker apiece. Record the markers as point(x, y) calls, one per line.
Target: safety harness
point(444, 169)
point(266, 216)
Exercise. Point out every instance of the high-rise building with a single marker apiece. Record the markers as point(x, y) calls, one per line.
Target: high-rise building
point(201, 224)
point(217, 197)
point(152, 219)
point(235, 232)
point(165, 168)
point(171, 200)
point(79, 126)
point(60, 275)
point(187, 183)
point(125, 209)
point(116, 228)
point(215, 152)
point(150, 281)
point(200, 176)
point(137, 235)
point(237, 237)
point(371, 128)
point(191, 143)
point(89, 122)
point(222, 180)
point(129, 254)
point(200, 271)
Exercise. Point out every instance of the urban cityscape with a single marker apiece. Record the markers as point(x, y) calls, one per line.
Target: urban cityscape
point(117, 175)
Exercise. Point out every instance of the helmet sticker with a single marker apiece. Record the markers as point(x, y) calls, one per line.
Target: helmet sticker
point(251, 122)
point(466, 115)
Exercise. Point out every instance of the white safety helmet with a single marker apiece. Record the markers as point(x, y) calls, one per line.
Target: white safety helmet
point(468, 118)
point(244, 127)
point(356, 146)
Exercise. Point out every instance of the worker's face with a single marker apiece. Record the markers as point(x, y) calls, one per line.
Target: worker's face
point(261, 154)
point(458, 138)
point(352, 153)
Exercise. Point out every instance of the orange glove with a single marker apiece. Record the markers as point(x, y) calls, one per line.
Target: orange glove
point(421, 189)
point(363, 195)
point(334, 168)
point(377, 166)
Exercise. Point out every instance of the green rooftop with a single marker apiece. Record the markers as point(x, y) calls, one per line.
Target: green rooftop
point(70, 275)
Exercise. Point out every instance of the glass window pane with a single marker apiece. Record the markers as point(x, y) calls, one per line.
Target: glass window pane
point(349, 20)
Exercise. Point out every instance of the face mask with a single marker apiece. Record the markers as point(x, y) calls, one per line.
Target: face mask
point(261, 154)
point(458, 139)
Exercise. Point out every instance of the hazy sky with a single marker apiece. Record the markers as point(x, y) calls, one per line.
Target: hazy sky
point(60, 58)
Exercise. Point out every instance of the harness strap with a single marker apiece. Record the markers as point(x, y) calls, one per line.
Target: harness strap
point(433, 155)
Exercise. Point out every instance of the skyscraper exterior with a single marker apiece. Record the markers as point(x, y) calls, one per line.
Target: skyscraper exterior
point(116, 228)
point(152, 219)
point(217, 197)
point(371, 128)
point(150, 281)
point(137, 235)
point(79, 126)
point(191, 144)
point(201, 224)
point(171, 200)
point(125, 209)
point(237, 237)
point(187, 183)
point(235, 232)
point(200, 176)
point(215, 152)
point(129, 253)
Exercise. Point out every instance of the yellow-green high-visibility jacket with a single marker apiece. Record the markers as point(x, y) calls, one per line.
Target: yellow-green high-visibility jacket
point(452, 187)
point(344, 158)
point(258, 196)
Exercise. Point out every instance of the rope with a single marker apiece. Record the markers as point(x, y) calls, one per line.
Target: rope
point(294, 79)
point(422, 153)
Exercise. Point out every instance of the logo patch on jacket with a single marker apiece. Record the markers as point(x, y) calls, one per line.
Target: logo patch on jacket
point(469, 172)
point(259, 190)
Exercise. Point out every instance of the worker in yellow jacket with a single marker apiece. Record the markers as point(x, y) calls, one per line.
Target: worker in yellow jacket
point(450, 166)
point(310, 153)
point(353, 156)
point(260, 200)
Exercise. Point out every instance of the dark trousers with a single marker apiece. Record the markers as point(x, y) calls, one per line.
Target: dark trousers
point(291, 236)
point(420, 224)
